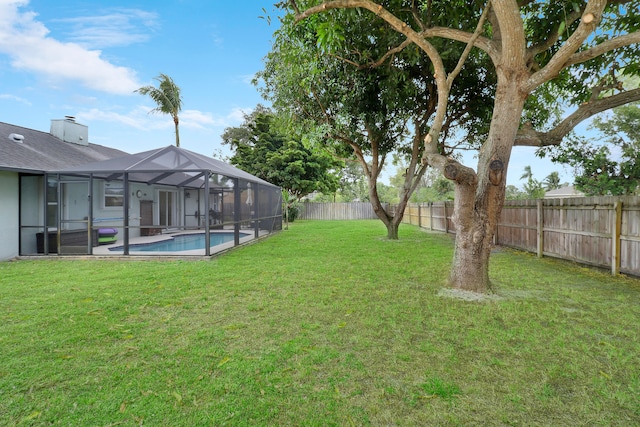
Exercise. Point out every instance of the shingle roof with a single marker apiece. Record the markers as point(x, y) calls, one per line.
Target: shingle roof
point(568, 191)
point(42, 152)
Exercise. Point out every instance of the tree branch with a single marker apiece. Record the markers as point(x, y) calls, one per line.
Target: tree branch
point(415, 169)
point(455, 171)
point(553, 37)
point(529, 137)
point(450, 168)
point(611, 44)
point(590, 20)
point(482, 43)
point(416, 15)
point(387, 54)
point(465, 54)
point(509, 34)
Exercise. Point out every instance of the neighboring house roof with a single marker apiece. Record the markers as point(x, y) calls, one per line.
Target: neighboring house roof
point(170, 165)
point(563, 192)
point(43, 152)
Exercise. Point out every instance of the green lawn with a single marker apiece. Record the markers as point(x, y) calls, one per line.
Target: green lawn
point(324, 324)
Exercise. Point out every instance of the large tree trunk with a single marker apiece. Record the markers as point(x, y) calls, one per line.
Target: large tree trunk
point(388, 220)
point(478, 203)
point(393, 221)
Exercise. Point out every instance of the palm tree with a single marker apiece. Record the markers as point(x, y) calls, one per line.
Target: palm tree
point(528, 175)
point(167, 96)
point(552, 181)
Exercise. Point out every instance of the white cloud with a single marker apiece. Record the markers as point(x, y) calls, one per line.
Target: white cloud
point(199, 119)
point(196, 119)
point(25, 40)
point(236, 116)
point(15, 98)
point(118, 27)
point(140, 118)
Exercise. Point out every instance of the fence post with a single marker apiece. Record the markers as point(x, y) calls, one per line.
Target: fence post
point(431, 216)
point(615, 238)
point(540, 220)
point(495, 234)
point(419, 215)
point(446, 221)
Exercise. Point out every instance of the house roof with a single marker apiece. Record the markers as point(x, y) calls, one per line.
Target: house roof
point(169, 165)
point(42, 152)
point(568, 191)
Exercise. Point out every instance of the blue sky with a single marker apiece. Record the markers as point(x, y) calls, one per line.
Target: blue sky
point(85, 59)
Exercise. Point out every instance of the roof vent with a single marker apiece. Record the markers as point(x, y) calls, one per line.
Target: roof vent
point(16, 137)
point(70, 119)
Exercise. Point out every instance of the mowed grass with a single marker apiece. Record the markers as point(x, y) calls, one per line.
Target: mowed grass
point(324, 324)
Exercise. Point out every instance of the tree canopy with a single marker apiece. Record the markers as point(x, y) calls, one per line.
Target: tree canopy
point(367, 98)
point(262, 149)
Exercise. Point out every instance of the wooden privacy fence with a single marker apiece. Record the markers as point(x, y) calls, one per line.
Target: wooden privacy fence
point(598, 231)
point(337, 211)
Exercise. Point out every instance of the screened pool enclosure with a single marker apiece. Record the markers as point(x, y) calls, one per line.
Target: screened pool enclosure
point(146, 204)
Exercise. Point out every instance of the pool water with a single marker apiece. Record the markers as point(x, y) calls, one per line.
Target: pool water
point(181, 242)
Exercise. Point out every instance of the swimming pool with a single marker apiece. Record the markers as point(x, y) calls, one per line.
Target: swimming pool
point(181, 242)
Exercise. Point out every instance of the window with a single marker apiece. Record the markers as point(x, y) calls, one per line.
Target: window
point(113, 194)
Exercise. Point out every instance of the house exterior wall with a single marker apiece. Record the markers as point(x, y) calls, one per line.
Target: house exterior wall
point(9, 235)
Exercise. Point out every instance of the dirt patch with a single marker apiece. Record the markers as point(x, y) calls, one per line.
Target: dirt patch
point(498, 295)
point(467, 295)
